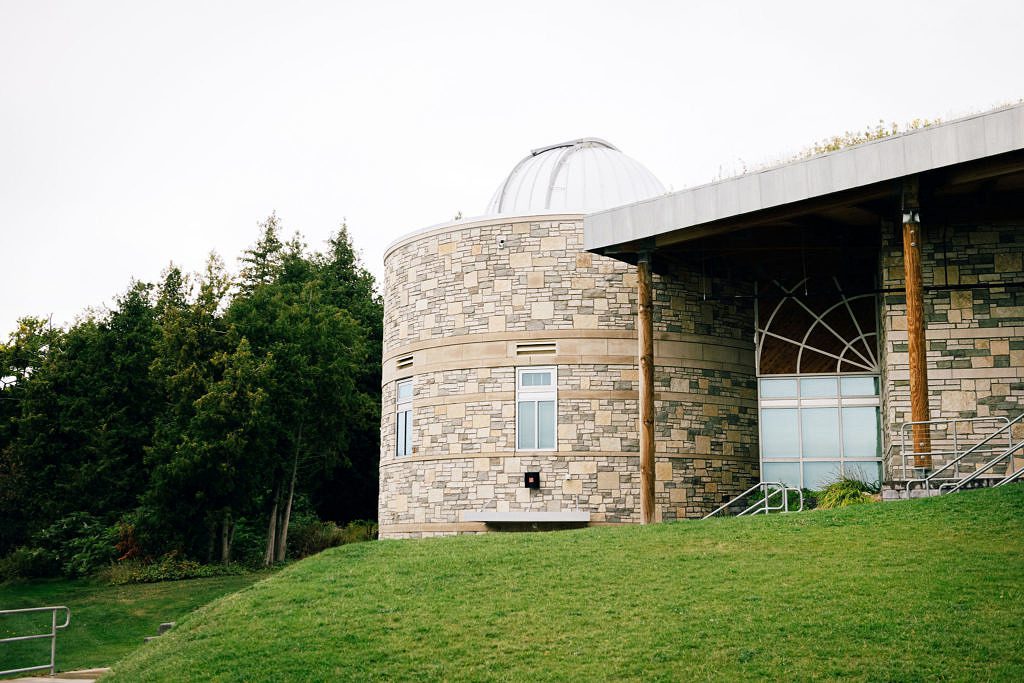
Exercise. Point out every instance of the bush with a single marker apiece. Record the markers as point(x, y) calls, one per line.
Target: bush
point(80, 543)
point(309, 536)
point(845, 492)
point(28, 563)
point(170, 567)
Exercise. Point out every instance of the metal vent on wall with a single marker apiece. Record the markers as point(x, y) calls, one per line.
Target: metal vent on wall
point(404, 362)
point(533, 348)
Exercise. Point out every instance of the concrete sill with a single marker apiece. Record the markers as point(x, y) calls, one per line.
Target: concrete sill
point(489, 516)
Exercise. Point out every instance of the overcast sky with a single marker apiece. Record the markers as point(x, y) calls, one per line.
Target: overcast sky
point(133, 134)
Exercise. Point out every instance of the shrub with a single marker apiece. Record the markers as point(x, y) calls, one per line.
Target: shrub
point(170, 567)
point(80, 543)
point(28, 563)
point(845, 492)
point(308, 536)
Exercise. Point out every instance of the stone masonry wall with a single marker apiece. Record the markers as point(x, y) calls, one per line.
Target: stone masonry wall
point(457, 303)
point(975, 331)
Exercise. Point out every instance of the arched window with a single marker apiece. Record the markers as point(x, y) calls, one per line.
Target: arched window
point(818, 385)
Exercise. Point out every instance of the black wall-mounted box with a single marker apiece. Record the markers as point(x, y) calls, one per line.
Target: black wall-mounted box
point(531, 480)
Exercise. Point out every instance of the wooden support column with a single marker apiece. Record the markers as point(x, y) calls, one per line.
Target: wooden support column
point(917, 348)
point(645, 339)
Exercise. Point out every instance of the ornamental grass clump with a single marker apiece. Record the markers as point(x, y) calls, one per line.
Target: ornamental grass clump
point(845, 491)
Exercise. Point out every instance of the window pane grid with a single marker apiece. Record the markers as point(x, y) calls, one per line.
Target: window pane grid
point(536, 408)
point(817, 428)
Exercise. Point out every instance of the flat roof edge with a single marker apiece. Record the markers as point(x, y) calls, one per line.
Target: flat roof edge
point(969, 138)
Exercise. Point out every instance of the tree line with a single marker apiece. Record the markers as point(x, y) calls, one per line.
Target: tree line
point(197, 411)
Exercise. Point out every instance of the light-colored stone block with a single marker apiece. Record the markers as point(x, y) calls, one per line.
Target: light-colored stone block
point(521, 260)
point(582, 467)
point(959, 401)
point(608, 481)
point(554, 243)
point(542, 310)
point(663, 471)
point(584, 322)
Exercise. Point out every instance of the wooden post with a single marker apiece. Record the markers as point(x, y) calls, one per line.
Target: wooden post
point(917, 348)
point(645, 339)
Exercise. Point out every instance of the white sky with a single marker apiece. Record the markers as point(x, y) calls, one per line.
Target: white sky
point(133, 134)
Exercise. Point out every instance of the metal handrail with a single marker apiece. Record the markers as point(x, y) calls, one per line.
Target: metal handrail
point(763, 506)
point(1012, 477)
point(1008, 453)
point(52, 635)
point(955, 436)
point(927, 480)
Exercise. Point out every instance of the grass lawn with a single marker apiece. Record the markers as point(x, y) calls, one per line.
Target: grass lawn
point(107, 622)
point(919, 590)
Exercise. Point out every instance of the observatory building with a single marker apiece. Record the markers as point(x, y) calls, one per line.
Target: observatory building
point(595, 350)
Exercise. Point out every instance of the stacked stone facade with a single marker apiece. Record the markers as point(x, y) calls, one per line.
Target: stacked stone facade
point(974, 316)
point(468, 303)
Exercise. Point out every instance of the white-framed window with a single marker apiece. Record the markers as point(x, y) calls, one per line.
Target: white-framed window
point(818, 381)
point(536, 408)
point(403, 417)
point(817, 428)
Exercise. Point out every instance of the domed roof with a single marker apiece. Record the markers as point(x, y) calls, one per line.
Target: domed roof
point(580, 176)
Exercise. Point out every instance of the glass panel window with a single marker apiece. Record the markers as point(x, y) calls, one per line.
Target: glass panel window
point(403, 418)
point(535, 379)
point(819, 429)
point(818, 474)
point(859, 386)
point(818, 387)
point(780, 435)
point(527, 427)
point(870, 471)
point(787, 473)
point(536, 409)
point(405, 390)
point(778, 388)
point(860, 432)
point(546, 424)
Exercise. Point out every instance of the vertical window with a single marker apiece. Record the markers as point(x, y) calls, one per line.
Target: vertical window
point(536, 397)
point(815, 429)
point(403, 417)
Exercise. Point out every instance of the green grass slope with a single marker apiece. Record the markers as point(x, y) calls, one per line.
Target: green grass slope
point(107, 622)
point(921, 590)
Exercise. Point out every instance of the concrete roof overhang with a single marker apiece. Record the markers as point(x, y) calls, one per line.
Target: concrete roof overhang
point(960, 152)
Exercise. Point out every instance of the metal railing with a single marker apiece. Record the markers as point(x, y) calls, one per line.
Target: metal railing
point(1005, 455)
point(949, 439)
point(52, 635)
point(1016, 475)
point(955, 477)
point(763, 505)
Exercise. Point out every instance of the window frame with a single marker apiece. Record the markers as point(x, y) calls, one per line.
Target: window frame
point(536, 395)
point(800, 403)
point(403, 418)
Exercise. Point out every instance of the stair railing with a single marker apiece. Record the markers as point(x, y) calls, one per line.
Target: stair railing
point(52, 635)
point(763, 505)
point(1012, 477)
point(926, 481)
point(951, 427)
point(1008, 453)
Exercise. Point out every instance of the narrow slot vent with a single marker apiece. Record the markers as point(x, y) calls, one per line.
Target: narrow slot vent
point(404, 362)
point(534, 348)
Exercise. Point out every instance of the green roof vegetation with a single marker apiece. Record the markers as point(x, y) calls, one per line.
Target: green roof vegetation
point(920, 590)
